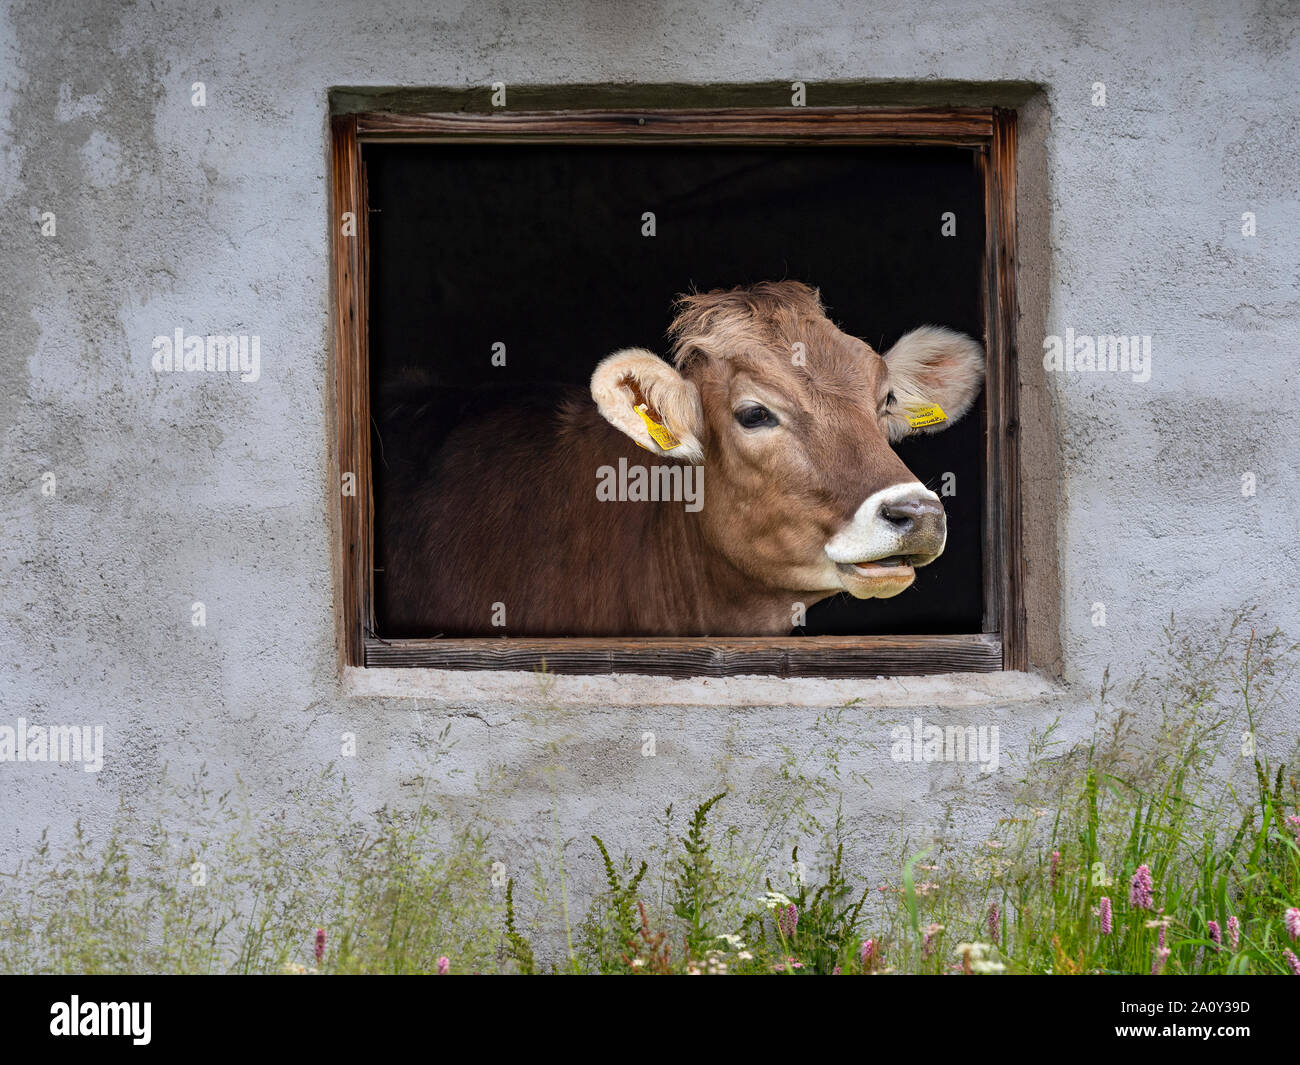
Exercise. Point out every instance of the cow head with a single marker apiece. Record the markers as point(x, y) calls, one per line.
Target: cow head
point(793, 421)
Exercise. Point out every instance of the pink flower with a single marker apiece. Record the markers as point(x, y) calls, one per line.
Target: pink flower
point(1293, 922)
point(1160, 940)
point(444, 965)
point(835, 971)
point(1234, 932)
point(866, 951)
point(1139, 889)
point(1056, 868)
point(320, 944)
point(1158, 965)
point(1216, 937)
point(994, 919)
point(1293, 963)
point(1103, 910)
point(1294, 822)
point(927, 944)
point(787, 919)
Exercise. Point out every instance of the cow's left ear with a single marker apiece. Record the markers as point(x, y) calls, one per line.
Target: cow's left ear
point(640, 394)
point(929, 367)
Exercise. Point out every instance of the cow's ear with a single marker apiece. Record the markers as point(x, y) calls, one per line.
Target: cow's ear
point(932, 367)
point(651, 402)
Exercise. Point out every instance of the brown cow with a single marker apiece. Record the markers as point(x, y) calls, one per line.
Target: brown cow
point(790, 418)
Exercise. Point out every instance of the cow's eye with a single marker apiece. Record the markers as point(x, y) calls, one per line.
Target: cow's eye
point(755, 417)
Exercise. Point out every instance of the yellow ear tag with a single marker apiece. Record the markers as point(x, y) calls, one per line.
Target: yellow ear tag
point(920, 417)
point(661, 434)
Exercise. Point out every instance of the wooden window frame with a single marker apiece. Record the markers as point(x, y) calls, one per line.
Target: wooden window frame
point(1002, 645)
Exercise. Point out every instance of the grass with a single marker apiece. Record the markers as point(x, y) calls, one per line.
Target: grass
point(1174, 789)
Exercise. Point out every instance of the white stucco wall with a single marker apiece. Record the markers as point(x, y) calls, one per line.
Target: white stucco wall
point(175, 489)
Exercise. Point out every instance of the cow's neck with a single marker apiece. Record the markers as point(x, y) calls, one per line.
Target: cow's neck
point(692, 580)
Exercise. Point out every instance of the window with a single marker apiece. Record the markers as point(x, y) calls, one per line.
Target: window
point(480, 259)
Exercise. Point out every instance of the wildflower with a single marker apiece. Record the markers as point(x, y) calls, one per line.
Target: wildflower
point(638, 963)
point(787, 919)
point(320, 944)
point(1056, 868)
point(993, 844)
point(1139, 889)
point(1216, 937)
point(292, 968)
point(866, 951)
point(1294, 822)
point(745, 955)
point(1293, 963)
point(1103, 911)
point(975, 959)
point(774, 899)
point(1293, 922)
point(444, 965)
point(835, 971)
point(1161, 922)
point(994, 920)
point(927, 944)
point(795, 964)
point(1234, 932)
point(734, 942)
point(1158, 964)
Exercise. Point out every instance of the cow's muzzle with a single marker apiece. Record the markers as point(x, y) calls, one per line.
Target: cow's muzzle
point(893, 531)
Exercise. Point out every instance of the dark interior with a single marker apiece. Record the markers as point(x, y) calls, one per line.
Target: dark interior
point(539, 247)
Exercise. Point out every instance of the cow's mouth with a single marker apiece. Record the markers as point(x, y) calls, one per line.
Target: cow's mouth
point(891, 562)
point(879, 578)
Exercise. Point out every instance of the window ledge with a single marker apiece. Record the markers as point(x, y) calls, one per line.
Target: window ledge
point(457, 688)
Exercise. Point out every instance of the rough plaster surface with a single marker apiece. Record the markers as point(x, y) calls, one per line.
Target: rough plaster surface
point(177, 488)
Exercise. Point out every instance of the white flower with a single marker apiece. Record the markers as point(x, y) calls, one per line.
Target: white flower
point(773, 899)
point(638, 963)
point(744, 955)
point(734, 942)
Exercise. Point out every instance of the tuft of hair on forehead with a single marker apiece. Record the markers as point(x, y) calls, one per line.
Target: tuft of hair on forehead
point(726, 322)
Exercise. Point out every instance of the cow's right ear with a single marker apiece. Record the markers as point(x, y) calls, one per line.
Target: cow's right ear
point(640, 394)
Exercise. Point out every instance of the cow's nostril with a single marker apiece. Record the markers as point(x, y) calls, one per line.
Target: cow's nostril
point(897, 516)
point(906, 511)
